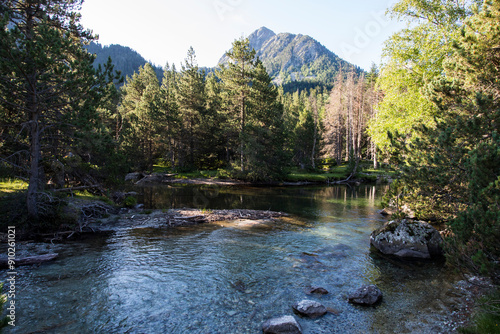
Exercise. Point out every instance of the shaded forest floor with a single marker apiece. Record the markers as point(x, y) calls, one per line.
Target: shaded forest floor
point(323, 174)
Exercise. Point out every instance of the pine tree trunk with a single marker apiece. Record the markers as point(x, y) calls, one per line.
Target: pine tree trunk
point(191, 143)
point(316, 116)
point(374, 116)
point(360, 128)
point(339, 140)
point(313, 164)
point(242, 118)
point(171, 146)
point(35, 153)
point(375, 161)
point(35, 181)
point(150, 162)
point(118, 127)
point(349, 126)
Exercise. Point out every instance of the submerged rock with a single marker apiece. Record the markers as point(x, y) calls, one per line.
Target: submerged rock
point(408, 239)
point(366, 295)
point(336, 252)
point(283, 325)
point(309, 308)
point(316, 290)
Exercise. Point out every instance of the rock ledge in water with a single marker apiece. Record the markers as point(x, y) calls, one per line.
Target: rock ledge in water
point(283, 325)
point(408, 239)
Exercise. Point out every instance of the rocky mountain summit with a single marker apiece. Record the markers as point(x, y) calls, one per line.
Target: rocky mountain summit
point(288, 57)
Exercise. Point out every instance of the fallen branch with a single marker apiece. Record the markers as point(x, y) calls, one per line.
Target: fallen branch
point(191, 217)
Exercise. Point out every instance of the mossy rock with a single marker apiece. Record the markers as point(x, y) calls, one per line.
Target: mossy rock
point(408, 239)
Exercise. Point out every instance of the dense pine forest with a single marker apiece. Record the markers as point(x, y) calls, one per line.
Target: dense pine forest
point(431, 112)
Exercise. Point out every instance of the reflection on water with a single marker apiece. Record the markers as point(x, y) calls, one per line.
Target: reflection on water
point(301, 201)
point(230, 278)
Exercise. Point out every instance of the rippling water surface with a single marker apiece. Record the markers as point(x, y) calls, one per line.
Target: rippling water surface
point(227, 278)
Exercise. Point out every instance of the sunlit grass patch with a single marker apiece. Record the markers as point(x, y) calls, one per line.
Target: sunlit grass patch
point(161, 168)
point(85, 195)
point(336, 173)
point(9, 186)
point(91, 197)
point(208, 174)
point(306, 177)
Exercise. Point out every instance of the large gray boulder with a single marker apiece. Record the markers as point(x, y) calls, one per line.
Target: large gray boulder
point(408, 239)
point(366, 295)
point(283, 325)
point(309, 308)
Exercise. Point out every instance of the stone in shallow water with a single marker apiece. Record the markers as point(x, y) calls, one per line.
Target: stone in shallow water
point(309, 308)
point(366, 295)
point(283, 325)
point(408, 239)
point(317, 290)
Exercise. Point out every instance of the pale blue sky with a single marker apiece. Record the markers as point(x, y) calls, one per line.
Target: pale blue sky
point(163, 30)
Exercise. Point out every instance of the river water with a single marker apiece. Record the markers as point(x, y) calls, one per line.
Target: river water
point(230, 278)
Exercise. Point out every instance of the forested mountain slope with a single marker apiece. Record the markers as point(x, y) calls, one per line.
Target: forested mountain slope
point(126, 60)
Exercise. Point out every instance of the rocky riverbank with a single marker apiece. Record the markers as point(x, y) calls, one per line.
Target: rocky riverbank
point(179, 218)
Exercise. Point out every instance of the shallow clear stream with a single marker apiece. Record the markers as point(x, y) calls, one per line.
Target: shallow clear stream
point(231, 278)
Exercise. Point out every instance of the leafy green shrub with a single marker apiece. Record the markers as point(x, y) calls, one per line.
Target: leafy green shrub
point(327, 164)
point(130, 202)
point(227, 173)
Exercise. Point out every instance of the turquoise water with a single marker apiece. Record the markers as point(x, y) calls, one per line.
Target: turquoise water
point(231, 278)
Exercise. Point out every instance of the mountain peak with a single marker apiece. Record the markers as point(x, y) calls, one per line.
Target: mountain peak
point(260, 36)
point(288, 57)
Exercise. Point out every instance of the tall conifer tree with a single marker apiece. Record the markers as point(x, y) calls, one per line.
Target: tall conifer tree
point(237, 76)
point(141, 107)
point(265, 137)
point(191, 99)
point(46, 80)
point(170, 107)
